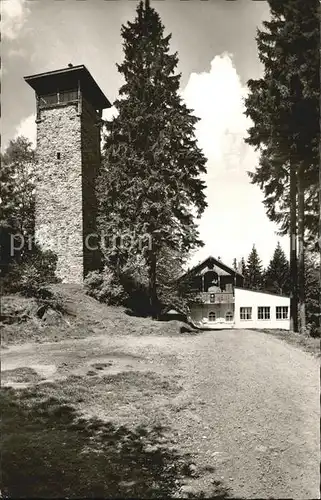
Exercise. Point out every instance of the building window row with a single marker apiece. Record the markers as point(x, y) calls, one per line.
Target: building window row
point(212, 316)
point(58, 98)
point(263, 312)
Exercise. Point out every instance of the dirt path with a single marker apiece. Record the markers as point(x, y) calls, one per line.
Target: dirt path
point(245, 405)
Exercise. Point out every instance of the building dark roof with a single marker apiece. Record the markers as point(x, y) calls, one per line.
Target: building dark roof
point(216, 262)
point(67, 79)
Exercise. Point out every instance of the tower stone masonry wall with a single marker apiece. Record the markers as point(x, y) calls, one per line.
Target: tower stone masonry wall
point(59, 193)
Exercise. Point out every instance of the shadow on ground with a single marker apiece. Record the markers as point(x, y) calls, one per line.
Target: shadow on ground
point(48, 451)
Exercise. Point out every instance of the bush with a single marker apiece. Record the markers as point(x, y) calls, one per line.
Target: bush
point(35, 270)
point(314, 330)
point(131, 290)
point(124, 290)
point(105, 287)
point(138, 298)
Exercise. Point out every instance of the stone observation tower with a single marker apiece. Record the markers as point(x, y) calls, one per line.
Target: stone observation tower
point(69, 111)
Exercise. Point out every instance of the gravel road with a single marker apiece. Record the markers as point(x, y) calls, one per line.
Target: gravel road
point(259, 420)
point(248, 408)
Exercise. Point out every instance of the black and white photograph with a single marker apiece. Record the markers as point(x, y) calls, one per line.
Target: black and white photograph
point(160, 249)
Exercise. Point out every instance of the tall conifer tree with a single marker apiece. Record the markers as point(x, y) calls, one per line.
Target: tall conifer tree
point(150, 182)
point(277, 274)
point(284, 107)
point(254, 269)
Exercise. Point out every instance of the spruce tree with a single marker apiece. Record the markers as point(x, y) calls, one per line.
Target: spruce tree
point(150, 183)
point(235, 264)
point(254, 276)
point(284, 108)
point(277, 274)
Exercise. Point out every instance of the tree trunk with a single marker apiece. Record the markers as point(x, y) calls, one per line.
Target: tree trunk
point(301, 225)
point(152, 284)
point(293, 252)
point(320, 209)
point(320, 201)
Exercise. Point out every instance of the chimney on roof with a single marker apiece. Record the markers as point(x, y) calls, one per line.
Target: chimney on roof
point(70, 65)
point(218, 258)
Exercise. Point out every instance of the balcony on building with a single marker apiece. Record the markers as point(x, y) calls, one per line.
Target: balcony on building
point(226, 297)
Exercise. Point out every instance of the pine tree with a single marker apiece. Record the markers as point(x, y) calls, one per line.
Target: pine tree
point(235, 264)
point(150, 183)
point(253, 273)
point(277, 274)
point(284, 107)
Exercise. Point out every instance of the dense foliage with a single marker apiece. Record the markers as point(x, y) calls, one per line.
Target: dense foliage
point(25, 268)
point(277, 274)
point(30, 272)
point(312, 281)
point(150, 182)
point(129, 287)
point(253, 271)
point(284, 108)
point(17, 181)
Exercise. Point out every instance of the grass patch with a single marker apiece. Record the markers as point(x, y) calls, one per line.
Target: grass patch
point(304, 342)
point(76, 316)
point(23, 374)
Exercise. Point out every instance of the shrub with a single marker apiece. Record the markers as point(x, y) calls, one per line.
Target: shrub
point(137, 300)
point(130, 289)
point(105, 287)
point(314, 330)
point(35, 270)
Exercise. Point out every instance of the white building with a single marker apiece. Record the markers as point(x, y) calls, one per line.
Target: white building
point(224, 303)
point(261, 310)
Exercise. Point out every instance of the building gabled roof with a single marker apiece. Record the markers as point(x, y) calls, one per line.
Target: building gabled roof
point(211, 260)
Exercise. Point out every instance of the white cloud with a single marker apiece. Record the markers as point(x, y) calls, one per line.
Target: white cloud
point(27, 127)
point(13, 16)
point(235, 217)
point(20, 52)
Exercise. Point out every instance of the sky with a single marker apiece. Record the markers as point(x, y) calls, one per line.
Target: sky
point(215, 41)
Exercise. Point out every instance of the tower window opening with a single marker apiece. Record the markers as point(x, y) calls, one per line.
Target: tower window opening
point(58, 156)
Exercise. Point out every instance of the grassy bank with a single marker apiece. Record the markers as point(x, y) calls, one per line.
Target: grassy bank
point(304, 342)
